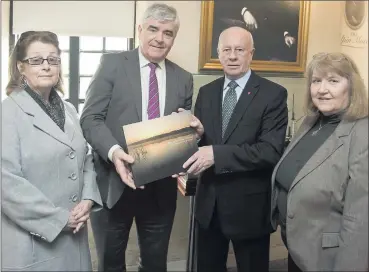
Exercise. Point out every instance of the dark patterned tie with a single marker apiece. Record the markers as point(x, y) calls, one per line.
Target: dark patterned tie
point(230, 101)
point(153, 110)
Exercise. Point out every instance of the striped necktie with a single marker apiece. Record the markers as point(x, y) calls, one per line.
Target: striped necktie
point(153, 109)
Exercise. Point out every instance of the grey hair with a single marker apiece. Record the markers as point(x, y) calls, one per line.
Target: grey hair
point(161, 12)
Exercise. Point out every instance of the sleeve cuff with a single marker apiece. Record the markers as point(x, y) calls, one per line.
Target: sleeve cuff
point(96, 206)
point(58, 224)
point(111, 151)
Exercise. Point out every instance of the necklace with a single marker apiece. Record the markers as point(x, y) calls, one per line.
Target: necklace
point(314, 133)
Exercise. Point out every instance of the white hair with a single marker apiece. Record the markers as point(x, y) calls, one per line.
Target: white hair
point(161, 12)
point(220, 39)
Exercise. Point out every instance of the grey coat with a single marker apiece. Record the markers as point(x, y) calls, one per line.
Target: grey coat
point(327, 204)
point(45, 173)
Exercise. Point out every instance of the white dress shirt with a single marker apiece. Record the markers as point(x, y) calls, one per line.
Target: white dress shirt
point(241, 84)
point(145, 78)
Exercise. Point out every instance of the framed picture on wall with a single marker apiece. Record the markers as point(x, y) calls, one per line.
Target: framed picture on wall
point(279, 29)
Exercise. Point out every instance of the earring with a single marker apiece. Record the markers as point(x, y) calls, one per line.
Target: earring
point(23, 81)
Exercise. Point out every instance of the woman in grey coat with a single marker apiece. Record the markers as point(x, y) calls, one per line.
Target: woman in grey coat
point(48, 181)
point(320, 185)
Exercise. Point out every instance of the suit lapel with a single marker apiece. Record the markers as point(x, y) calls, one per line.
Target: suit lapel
point(40, 119)
point(324, 151)
point(248, 94)
point(171, 89)
point(216, 109)
point(134, 77)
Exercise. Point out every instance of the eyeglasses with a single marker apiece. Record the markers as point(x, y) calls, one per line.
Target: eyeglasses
point(55, 61)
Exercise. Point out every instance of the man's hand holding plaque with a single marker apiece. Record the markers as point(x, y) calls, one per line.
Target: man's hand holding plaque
point(203, 158)
point(121, 161)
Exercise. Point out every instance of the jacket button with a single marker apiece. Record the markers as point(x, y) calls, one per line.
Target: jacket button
point(72, 154)
point(74, 198)
point(73, 176)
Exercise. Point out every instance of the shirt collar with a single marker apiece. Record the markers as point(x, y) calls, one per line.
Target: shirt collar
point(241, 81)
point(144, 61)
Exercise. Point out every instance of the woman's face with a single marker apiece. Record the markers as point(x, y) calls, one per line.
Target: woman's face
point(329, 93)
point(42, 68)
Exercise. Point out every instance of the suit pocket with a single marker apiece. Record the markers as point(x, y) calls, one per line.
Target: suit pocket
point(330, 239)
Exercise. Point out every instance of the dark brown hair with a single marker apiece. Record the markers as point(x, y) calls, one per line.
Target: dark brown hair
point(19, 53)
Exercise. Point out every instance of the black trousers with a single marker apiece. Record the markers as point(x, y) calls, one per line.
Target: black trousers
point(154, 227)
point(212, 250)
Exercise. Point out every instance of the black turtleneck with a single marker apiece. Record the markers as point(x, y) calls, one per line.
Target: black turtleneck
point(297, 158)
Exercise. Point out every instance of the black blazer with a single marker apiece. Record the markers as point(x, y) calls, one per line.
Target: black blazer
point(239, 181)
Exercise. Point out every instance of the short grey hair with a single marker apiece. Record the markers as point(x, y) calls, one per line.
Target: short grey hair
point(161, 12)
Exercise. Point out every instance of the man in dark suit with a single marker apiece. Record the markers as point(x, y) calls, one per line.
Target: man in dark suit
point(241, 120)
point(273, 24)
point(131, 87)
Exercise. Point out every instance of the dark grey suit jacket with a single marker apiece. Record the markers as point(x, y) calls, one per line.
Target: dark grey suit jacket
point(113, 100)
point(327, 204)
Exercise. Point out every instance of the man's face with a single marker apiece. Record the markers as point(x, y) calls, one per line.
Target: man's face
point(235, 54)
point(156, 39)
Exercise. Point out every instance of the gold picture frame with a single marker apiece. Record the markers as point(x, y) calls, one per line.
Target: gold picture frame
point(206, 62)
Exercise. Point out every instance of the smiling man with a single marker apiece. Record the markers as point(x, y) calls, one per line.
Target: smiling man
point(243, 120)
point(130, 87)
